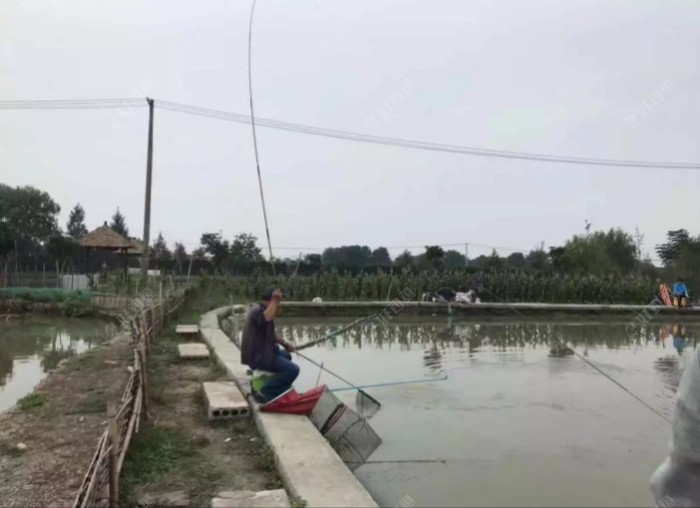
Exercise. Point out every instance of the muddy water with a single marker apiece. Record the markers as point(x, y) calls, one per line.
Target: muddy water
point(30, 348)
point(512, 425)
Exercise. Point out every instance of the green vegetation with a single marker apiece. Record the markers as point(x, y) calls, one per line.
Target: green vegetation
point(31, 401)
point(297, 502)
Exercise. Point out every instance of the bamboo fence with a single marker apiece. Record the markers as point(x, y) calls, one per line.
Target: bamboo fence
point(100, 486)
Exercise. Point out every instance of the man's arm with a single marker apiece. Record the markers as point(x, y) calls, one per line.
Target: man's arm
point(271, 308)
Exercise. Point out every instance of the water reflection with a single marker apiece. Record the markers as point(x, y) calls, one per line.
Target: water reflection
point(31, 348)
point(499, 335)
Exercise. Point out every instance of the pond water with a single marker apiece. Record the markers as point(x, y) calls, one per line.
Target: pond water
point(31, 348)
point(512, 425)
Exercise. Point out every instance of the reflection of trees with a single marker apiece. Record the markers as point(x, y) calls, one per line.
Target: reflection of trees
point(5, 364)
point(472, 335)
point(47, 338)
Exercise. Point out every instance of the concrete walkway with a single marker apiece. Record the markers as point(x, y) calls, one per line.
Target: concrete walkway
point(311, 470)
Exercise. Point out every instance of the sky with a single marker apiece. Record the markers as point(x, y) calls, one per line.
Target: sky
point(557, 77)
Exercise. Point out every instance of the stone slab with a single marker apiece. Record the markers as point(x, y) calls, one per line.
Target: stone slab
point(193, 351)
point(310, 468)
point(224, 401)
point(187, 329)
point(249, 499)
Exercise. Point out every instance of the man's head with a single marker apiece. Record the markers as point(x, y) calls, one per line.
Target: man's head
point(268, 294)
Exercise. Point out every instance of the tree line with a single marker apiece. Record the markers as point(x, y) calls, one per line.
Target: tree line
point(29, 230)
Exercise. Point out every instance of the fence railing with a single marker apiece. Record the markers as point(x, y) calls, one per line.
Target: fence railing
point(100, 486)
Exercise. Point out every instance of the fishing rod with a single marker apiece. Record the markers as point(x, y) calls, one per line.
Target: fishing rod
point(255, 137)
point(391, 383)
point(337, 332)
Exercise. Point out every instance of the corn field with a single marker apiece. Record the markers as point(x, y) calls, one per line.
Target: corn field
point(495, 286)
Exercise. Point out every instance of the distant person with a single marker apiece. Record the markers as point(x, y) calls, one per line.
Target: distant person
point(676, 482)
point(260, 348)
point(680, 293)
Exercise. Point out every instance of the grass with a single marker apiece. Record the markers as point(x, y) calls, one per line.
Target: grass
point(31, 401)
point(297, 502)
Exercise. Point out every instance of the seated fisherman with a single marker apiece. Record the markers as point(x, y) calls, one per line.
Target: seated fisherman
point(260, 348)
point(680, 293)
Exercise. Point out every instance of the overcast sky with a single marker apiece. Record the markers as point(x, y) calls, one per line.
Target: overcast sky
point(547, 76)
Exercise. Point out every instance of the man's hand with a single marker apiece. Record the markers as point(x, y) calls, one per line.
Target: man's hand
point(289, 347)
point(277, 295)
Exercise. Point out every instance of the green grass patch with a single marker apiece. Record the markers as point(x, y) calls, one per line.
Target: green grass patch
point(162, 457)
point(31, 401)
point(155, 452)
point(298, 502)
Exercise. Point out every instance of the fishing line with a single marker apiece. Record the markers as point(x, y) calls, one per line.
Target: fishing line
point(605, 374)
point(255, 138)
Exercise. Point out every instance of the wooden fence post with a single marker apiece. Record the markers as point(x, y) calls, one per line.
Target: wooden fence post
point(160, 304)
point(144, 378)
point(113, 456)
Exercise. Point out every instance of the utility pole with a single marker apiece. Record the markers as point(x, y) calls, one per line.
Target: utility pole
point(147, 209)
point(466, 254)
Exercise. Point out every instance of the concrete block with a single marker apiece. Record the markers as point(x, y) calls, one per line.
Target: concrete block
point(224, 401)
point(193, 351)
point(187, 329)
point(249, 499)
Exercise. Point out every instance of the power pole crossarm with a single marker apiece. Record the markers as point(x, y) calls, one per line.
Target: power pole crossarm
point(147, 209)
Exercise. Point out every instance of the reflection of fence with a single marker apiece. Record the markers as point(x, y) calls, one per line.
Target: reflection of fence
point(100, 486)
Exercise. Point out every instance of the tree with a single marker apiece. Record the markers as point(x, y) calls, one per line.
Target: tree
point(404, 260)
point(380, 257)
point(216, 247)
point(199, 253)
point(76, 223)
point(516, 260)
point(63, 249)
point(454, 259)
point(160, 251)
point(434, 255)
point(315, 261)
point(678, 240)
point(28, 216)
point(244, 249)
point(494, 261)
point(180, 255)
point(355, 256)
point(537, 258)
point(119, 224)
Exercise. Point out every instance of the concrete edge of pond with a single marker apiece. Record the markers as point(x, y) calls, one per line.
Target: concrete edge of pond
point(410, 308)
point(310, 468)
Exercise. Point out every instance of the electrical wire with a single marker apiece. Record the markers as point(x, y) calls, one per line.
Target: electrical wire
point(346, 135)
point(72, 104)
point(255, 138)
point(422, 145)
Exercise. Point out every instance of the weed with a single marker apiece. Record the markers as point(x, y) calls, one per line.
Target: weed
point(298, 502)
point(31, 401)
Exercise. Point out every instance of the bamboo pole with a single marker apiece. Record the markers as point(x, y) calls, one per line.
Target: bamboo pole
point(113, 456)
point(160, 301)
point(144, 379)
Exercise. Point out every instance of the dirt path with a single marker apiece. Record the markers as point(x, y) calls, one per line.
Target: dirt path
point(60, 424)
point(179, 450)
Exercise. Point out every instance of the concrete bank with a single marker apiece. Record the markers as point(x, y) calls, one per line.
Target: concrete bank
point(310, 468)
point(336, 309)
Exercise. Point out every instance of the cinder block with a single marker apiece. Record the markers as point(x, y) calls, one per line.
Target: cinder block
point(249, 499)
point(193, 351)
point(224, 401)
point(187, 329)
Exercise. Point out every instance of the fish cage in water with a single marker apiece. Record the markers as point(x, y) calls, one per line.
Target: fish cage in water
point(350, 434)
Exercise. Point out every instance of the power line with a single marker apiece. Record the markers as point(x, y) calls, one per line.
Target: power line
point(420, 145)
point(73, 104)
point(347, 135)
